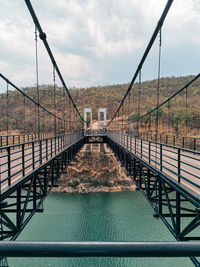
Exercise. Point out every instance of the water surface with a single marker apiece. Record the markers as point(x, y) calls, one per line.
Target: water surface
point(124, 216)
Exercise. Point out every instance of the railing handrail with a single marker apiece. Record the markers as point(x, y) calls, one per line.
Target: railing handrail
point(165, 134)
point(99, 249)
point(97, 131)
point(29, 156)
point(173, 167)
point(167, 145)
point(37, 140)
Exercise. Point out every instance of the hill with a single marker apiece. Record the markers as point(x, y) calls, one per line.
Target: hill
point(93, 97)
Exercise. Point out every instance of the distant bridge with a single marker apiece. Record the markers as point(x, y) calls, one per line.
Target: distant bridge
point(165, 167)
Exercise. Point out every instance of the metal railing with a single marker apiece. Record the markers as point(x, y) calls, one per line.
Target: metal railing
point(98, 132)
point(7, 140)
point(180, 164)
point(99, 249)
point(16, 161)
point(14, 139)
point(192, 143)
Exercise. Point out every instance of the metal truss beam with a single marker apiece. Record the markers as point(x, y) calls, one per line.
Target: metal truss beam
point(26, 197)
point(179, 212)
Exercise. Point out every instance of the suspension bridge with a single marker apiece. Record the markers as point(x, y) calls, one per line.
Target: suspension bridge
point(164, 165)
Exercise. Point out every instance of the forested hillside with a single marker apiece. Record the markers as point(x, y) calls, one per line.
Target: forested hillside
point(95, 97)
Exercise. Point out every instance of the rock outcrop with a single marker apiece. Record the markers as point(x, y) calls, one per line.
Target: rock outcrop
point(94, 172)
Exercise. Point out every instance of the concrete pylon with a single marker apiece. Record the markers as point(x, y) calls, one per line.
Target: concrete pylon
point(85, 111)
point(104, 111)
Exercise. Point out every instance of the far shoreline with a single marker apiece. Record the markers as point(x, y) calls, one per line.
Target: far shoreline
point(89, 190)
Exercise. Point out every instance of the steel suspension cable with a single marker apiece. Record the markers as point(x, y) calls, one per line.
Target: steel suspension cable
point(35, 121)
point(69, 115)
point(168, 119)
point(115, 127)
point(43, 37)
point(37, 82)
point(123, 119)
point(139, 98)
point(171, 97)
point(28, 97)
point(129, 104)
point(158, 94)
point(7, 103)
point(158, 82)
point(54, 99)
point(24, 115)
point(186, 110)
point(155, 33)
point(64, 110)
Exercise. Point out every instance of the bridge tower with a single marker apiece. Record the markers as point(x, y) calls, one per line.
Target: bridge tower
point(104, 111)
point(85, 111)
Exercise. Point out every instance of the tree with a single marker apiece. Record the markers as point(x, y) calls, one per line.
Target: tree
point(175, 119)
point(135, 116)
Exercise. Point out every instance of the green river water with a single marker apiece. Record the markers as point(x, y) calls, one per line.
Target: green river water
point(124, 216)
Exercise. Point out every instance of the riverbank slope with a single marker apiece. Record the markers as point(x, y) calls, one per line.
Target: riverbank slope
point(93, 171)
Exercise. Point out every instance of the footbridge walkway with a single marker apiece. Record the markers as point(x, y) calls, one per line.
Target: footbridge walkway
point(157, 142)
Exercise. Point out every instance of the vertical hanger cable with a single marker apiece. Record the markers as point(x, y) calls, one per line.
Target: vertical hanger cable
point(37, 83)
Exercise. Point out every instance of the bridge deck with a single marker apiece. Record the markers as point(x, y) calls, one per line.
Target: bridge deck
point(177, 164)
point(18, 161)
point(180, 165)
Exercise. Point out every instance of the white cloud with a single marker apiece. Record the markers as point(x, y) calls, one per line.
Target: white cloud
point(96, 42)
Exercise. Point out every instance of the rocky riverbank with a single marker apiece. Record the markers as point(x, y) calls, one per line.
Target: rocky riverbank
point(94, 172)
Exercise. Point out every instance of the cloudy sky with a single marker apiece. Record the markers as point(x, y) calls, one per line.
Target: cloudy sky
point(98, 42)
